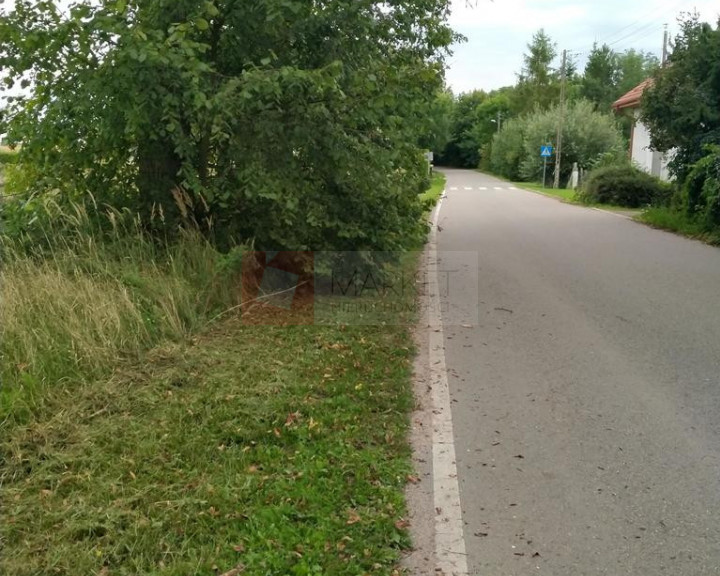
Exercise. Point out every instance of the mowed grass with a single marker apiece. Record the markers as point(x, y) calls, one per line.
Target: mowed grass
point(145, 431)
point(270, 450)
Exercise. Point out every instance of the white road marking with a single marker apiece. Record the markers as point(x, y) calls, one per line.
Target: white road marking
point(453, 187)
point(468, 187)
point(483, 187)
point(450, 555)
point(497, 188)
point(512, 188)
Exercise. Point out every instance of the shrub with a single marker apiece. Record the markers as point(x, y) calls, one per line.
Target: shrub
point(507, 149)
point(701, 191)
point(624, 186)
point(587, 135)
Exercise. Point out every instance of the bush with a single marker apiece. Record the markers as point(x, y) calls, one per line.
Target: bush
point(701, 192)
point(588, 137)
point(624, 186)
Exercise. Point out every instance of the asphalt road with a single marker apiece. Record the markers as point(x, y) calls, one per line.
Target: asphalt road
point(586, 398)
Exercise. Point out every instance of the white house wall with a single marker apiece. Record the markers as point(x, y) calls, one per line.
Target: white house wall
point(642, 154)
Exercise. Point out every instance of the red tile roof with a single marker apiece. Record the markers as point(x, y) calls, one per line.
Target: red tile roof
point(632, 98)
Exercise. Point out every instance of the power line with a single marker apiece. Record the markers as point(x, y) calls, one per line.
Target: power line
point(657, 20)
point(655, 30)
point(643, 19)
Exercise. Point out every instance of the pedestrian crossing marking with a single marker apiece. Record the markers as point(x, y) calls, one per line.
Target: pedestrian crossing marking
point(470, 188)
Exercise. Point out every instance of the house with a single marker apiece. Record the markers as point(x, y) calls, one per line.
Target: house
point(652, 161)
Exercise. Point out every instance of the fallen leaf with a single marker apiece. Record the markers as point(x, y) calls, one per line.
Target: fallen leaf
point(353, 517)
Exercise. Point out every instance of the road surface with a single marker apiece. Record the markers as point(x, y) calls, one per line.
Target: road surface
point(586, 398)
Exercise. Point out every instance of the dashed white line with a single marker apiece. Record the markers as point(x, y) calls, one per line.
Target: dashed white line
point(468, 187)
point(483, 188)
point(453, 187)
point(497, 188)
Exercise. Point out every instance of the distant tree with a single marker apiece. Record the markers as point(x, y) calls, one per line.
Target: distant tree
point(599, 83)
point(633, 67)
point(682, 109)
point(438, 132)
point(538, 84)
point(463, 149)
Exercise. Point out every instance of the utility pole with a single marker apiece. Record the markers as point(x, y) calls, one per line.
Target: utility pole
point(665, 45)
point(561, 120)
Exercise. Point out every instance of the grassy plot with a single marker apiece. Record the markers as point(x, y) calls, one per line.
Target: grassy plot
point(137, 436)
point(561, 193)
point(678, 221)
point(270, 450)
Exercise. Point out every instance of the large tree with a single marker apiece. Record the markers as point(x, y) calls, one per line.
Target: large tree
point(293, 122)
point(682, 109)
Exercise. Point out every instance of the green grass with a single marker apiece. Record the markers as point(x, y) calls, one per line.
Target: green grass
point(139, 437)
point(678, 221)
point(436, 189)
point(279, 449)
point(561, 193)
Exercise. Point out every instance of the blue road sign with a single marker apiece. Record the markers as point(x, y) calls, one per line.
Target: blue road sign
point(546, 151)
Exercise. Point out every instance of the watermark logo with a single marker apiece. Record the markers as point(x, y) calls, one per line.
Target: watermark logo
point(362, 288)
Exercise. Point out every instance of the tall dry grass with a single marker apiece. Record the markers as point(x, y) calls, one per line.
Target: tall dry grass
point(96, 290)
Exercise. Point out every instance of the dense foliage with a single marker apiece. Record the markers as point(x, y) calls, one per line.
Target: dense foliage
point(588, 135)
point(476, 117)
point(701, 191)
point(682, 109)
point(293, 123)
point(608, 75)
point(623, 185)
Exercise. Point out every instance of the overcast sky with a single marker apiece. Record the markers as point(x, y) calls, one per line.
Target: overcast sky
point(498, 32)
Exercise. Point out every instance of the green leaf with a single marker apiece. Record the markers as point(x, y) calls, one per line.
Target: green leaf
point(202, 24)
